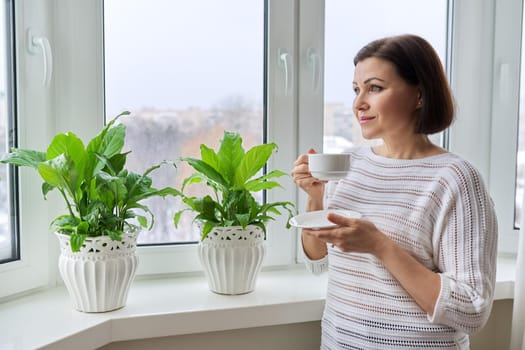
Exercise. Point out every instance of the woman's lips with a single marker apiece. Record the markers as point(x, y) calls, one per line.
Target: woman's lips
point(365, 119)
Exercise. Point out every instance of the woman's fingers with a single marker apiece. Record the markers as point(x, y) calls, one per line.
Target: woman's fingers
point(349, 235)
point(340, 220)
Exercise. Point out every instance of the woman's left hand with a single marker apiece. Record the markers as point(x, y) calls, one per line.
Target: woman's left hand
point(362, 236)
point(351, 235)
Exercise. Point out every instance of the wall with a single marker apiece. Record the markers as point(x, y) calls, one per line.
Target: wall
point(304, 336)
point(496, 334)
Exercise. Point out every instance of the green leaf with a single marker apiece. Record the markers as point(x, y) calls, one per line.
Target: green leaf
point(253, 161)
point(114, 234)
point(82, 228)
point(24, 157)
point(257, 185)
point(227, 223)
point(72, 147)
point(264, 218)
point(105, 145)
point(230, 154)
point(243, 219)
point(56, 172)
point(272, 174)
point(208, 226)
point(206, 170)
point(166, 191)
point(164, 162)
point(46, 188)
point(76, 241)
point(118, 161)
point(104, 165)
point(177, 216)
point(193, 202)
point(64, 221)
point(113, 141)
point(143, 221)
point(192, 179)
point(274, 210)
point(112, 184)
point(137, 186)
point(145, 209)
point(209, 157)
point(208, 209)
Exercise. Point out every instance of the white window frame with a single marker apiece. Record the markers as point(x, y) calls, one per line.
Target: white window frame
point(505, 122)
point(183, 258)
point(34, 108)
point(486, 56)
point(75, 101)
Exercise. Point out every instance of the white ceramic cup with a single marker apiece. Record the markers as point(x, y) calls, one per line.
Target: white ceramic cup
point(329, 166)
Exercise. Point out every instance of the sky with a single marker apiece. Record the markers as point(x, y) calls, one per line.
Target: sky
point(179, 54)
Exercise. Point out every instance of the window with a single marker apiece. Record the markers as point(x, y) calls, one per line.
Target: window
point(197, 70)
point(9, 249)
point(28, 122)
point(347, 29)
point(520, 157)
point(498, 95)
point(284, 49)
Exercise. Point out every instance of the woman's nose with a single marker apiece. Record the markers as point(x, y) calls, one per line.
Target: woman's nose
point(360, 102)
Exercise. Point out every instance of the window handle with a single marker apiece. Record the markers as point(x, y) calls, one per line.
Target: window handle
point(285, 62)
point(40, 43)
point(504, 81)
point(314, 61)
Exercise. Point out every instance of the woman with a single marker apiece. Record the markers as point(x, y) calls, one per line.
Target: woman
point(417, 271)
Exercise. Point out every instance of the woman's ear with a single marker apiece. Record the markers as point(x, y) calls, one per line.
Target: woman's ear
point(419, 103)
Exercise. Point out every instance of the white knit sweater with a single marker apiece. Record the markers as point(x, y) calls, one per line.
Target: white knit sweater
point(438, 209)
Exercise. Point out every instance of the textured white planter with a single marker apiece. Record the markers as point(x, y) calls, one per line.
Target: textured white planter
point(99, 276)
point(232, 258)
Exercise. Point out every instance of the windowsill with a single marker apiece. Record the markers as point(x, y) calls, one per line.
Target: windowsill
point(175, 306)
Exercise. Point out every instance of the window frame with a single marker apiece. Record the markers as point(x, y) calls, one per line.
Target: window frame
point(487, 34)
point(32, 99)
point(177, 258)
point(505, 114)
point(11, 136)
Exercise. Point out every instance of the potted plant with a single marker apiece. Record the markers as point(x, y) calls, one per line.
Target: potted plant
point(104, 212)
point(233, 222)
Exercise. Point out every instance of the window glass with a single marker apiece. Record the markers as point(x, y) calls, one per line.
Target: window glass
point(349, 26)
point(520, 157)
point(8, 237)
point(187, 71)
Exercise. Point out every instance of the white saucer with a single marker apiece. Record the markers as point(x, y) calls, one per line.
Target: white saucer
point(329, 175)
point(317, 219)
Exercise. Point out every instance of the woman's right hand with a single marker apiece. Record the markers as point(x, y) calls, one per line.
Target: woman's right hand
point(303, 178)
point(313, 247)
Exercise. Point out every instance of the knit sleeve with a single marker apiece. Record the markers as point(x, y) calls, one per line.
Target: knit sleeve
point(465, 248)
point(316, 267)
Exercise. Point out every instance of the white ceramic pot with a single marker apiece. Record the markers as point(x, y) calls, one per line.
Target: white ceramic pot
point(98, 277)
point(232, 258)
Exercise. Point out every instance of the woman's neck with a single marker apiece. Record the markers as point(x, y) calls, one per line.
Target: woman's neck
point(417, 146)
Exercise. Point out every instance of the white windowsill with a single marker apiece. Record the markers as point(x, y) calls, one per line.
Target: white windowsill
point(174, 306)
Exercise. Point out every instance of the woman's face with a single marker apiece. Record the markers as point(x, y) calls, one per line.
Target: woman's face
point(384, 104)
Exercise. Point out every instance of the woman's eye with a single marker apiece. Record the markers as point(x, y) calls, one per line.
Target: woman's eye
point(356, 91)
point(375, 88)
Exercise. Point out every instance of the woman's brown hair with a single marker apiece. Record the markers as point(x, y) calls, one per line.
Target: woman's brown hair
point(418, 64)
